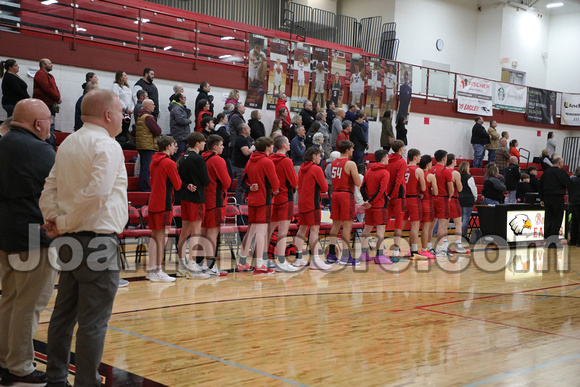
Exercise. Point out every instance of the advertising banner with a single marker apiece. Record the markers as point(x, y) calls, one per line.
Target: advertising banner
point(570, 112)
point(389, 85)
point(357, 80)
point(257, 71)
point(319, 68)
point(528, 225)
point(301, 69)
point(278, 69)
point(373, 87)
point(474, 96)
point(541, 106)
point(337, 78)
point(509, 97)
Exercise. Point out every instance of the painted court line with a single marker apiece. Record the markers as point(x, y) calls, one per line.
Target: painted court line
point(523, 371)
point(209, 357)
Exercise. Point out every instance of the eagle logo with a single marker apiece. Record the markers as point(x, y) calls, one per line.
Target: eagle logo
point(519, 223)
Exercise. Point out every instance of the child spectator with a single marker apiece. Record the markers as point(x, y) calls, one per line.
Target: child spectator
point(524, 187)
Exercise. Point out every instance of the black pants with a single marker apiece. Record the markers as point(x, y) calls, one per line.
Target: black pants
point(554, 206)
point(575, 225)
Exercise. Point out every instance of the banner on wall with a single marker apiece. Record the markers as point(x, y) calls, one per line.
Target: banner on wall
point(357, 77)
point(509, 97)
point(474, 96)
point(337, 78)
point(541, 106)
point(278, 66)
point(389, 85)
point(405, 91)
point(373, 86)
point(301, 74)
point(319, 68)
point(257, 71)
point(570, 111)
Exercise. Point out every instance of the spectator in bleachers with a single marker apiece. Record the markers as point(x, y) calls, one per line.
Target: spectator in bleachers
point(203, 109)
point(574, 202)
point(524, 187)
point(326, 146)
point(344, 133)
point(514, 148)
point(330, 112)
point(467, 196)
point(297, 147)
point(141, 96)
point(502, 156)
point(551, 144)
point(276, 128)
point(46, 90)
point(179, 123)
point(285, 123)
point(387, 135)
point(14, 88)
point(493, 145)
point(207, 125)
point(358, 139)
point(78, 119)
point(257, 128)
point(505, 135)
point(534, 182)
point(553, 185)
point(351, 112)
point(281, 104)
point(545, 160)
point(336, 127)
point(358, 199)
point(146, 132)
point(233, 97)
point(236, 119)
point(89, 77)
point(123, 91)
point(365, 126)
point(146, 83)
point(401, 129)
point(479, 138)
point(204, 89)
point(512, 178)
point(243, 149)
point(493, 188)
point(308, 114)
point(296, 121)
point(221, 130)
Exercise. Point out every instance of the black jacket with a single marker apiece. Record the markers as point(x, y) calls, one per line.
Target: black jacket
point(257, 128)
point(192, 170)
point(307, 118)
point(493, 189)
point(574, 191)
point(203, 95)
point(152, 93)
point(357, 137)
point(512, 177)
point(554, 182)
point(479, 135)
point(13, 89)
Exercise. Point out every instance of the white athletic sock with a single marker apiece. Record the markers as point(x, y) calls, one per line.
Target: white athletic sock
point(259, 262)
point(429, 246)
point(414, 248)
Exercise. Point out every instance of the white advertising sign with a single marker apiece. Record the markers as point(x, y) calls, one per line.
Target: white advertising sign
point(570, 112)
point(527, 225)
point(474, 96)
point(509, 97)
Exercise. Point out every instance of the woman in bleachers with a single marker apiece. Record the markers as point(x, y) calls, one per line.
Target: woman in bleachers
point(514, 148)
point(13, 87)
point(467, 196)
point(545, 160)
point(493, 188)
point(276, 127)
point(233, 97)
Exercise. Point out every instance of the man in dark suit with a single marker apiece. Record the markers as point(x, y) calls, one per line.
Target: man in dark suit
point(553, 185)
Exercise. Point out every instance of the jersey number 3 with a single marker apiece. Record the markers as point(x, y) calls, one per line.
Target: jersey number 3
point(407, 177)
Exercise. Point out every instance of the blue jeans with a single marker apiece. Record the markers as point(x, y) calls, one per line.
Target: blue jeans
point(491, 155)
point(478, 153)
point(145, 157)
point(358, 157)
point(490, 201)
point(511, 197)
point(465, 220)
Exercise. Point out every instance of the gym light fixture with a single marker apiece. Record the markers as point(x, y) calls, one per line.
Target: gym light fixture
point(554, 5)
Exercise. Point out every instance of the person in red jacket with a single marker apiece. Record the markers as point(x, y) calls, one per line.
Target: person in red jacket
point(283, 209)
point(396, 192)
point(164, 179)
point(311, 183)
point(46, 90)
point(374, 192)
point(414, 189)
point(281, 104)
point(344, 176)
point(215, 198)
point(260, 180)
point(441, 201)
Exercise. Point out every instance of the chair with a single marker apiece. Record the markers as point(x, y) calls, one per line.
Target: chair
point(229, 229)
point(138, 199)
point(134, 229)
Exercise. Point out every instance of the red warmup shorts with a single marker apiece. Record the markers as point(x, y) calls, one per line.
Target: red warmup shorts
point(213, 218)
point(376, 217)
point(160, 220)
point(284, 211)
point(342, 206)
point(455, 210)
point(397, 208)
point(441, 204)
point(427, 210)
point(192, 212)
point(309, 219)
point(414, 209)
point(260, 214)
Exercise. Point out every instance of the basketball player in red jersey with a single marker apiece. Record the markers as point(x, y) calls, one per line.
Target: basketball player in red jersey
point(311, 183)
point(215, 198)
point(415, 186)
point(441, 201)
point(344, 175)
point(455, 211)
point(396, 192)
point(427, 207)
point(283, 209)
point(374, 192)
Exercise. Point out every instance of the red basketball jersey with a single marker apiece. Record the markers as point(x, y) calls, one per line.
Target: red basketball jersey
point(341, 180)
point(413, 186)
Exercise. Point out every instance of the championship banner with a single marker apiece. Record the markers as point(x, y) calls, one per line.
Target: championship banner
point(319, 67)
point(257, 71)
point(405, 91)
point(509, 97)
point(474, 96)
point(337, 78)
point(389, 85)
point(301, 70)
point(374, 81)
point(541, 106)
point(570, 112)
point(357, 77)
point(278, 66)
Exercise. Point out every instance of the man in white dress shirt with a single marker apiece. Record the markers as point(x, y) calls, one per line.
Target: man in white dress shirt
point(84, 202)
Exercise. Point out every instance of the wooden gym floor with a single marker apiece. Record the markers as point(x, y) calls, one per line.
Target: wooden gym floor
point(415, 323)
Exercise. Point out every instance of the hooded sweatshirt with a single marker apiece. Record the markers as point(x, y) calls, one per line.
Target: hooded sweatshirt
point(164, 179)
point(375, 184)
point(286, 176)
point(192, 170)
point(219, 180)
point(311, 183)
point(260, 170)
point(397, 168)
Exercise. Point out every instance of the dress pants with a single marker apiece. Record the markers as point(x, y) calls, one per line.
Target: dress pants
point(554, 207)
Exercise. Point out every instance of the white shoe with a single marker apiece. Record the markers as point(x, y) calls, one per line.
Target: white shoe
point(123, 282)
point(459, 249)
point(300, 262)
point(196, 275)
point(285, 267)
point(159, 276)
point(214, 271)
point(444, 253)
point(319, 264)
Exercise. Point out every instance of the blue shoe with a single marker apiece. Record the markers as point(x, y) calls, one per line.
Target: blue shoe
point(349, 261)
point(331, 259)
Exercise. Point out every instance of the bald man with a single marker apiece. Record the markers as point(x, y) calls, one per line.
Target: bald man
point(26, 275)
point(85, 201)
point(146, 132)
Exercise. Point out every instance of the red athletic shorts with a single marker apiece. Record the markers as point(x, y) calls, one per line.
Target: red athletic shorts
point(414, 209)
point(284, 211)
point(342, 206)
point(160, 220)
point(311, 218)
point(376, 217)
point(441, 204)
point(260, 214)
point(192, 212)
point(427, 210)
point(214, 218)
point(455, 210)
point(397, 208)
